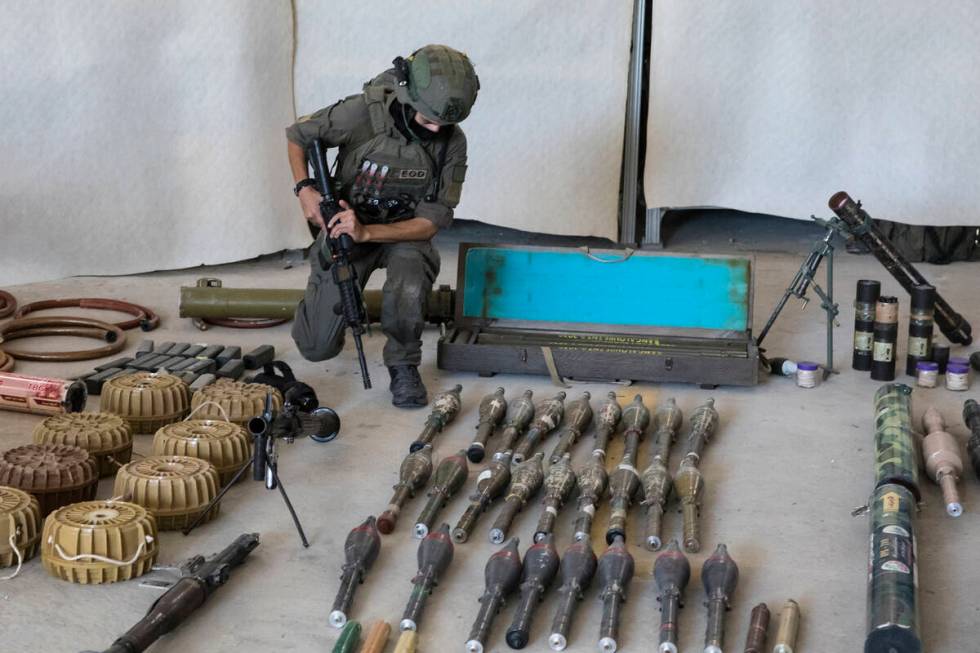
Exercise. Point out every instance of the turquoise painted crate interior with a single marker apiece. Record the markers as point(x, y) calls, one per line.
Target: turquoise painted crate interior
point(570, 286)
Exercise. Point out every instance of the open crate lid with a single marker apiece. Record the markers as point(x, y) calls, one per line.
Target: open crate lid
point(604, 291)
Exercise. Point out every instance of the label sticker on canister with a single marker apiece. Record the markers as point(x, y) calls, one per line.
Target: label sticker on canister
point(918, 347)
point(890, 502)
point(863, 340)
point(884, 352)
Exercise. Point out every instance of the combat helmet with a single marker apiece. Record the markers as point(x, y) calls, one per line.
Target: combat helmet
point(438, 82)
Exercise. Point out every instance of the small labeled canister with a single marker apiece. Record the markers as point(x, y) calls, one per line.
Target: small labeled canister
point(926, 374)
point(807, 374)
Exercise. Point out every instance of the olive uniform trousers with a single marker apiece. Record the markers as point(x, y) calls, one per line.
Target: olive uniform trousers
point(318, 328)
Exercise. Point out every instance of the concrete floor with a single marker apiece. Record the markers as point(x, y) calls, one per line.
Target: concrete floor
point(783, 473)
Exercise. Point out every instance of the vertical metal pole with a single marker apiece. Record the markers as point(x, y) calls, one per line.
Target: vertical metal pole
point(634, 96)
point(829, 310)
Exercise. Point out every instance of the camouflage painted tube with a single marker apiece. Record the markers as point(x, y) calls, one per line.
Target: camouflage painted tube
point(893, 622)
point(971, 416)
point(896, 456)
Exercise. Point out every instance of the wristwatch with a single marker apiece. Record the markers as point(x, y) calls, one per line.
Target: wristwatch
point(303, 184)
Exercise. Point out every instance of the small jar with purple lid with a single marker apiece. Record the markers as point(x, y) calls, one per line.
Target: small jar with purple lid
point(926, 374)
point(808, 374)
point(957, 376)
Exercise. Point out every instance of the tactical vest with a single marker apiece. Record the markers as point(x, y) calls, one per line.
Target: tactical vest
point(384, 178)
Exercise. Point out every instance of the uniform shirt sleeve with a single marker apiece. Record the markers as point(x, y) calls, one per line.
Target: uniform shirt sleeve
point(335, 125)
point(440, 211)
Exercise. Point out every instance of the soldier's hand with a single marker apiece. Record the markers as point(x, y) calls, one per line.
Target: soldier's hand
point(346, 222)
point(309, 201)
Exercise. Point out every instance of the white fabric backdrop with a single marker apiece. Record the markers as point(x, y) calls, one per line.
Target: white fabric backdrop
point(773, 106)
point(546, 134)
point(142, 136)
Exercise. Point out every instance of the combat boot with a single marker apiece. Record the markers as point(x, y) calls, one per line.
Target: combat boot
point(407, 389)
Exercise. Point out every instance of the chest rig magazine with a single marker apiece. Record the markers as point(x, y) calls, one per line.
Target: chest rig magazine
point(587, 314)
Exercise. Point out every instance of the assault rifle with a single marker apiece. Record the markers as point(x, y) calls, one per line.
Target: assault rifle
point(200, 579)
point(351, 305)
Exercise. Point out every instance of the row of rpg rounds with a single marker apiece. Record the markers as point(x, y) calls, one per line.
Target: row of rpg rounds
point(514, 477)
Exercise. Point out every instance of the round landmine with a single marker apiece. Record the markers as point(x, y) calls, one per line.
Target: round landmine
point(146, 400)
point(176, 489)
point(95, 542)
point(57, 474)
point(225, 445)
point(106, 436)
point(240, 401)
point(20, 526)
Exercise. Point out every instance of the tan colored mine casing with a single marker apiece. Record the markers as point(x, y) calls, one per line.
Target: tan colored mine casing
point(377, 638)
point(225, 445)
point(107, 437)
point(20, 517)
point(147, 400)
point(97, 542)
point(789, 626)
point(176, 489)
point(41, 395)
point(56, 474)
point(240, 401)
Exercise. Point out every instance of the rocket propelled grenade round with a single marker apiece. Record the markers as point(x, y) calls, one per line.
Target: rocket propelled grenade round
point(578, 565)
point(493, 407)
point(624, 482)
point(445, 408)
point(704, 423)
point(592, 481)
point(971, 416)
point(540, 566)
point(615, 570)
point(525, 481)
point(558, 485)
point(607, 418)
point(502, 575)
point(942, 458)
point(755, 641)
point(672, 572)
point(689, 482)
point(449, 478)
point(719, 574)
point(547, 416)
point(520, 412)
point(414, 473)
point(360, 551)
point(490, 484)
point(953, 325)
point(655, 481)
point(434, 556)
point(578, 416)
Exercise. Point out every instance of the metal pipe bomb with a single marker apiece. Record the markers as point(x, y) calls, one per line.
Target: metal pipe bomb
point(592, 481)
point(558, 484)
point(434, 555)
point(547, 416)
point(755, 641)
point(360, 551)
point(502, 575)
point(971, 416)
point(414, 473)
point(719, 574)
point(624, 482)
point(520, 412)
point(449, 478)
point(490, 484)
point(492, 411)
point(525, 481)
point(540, 566)
point(445, 408)
point(578, 565)
point(578, 416)
point(615, 572)
point(656, 481)
point(789, 626)
point(672, 572)
point(607, 418)
point(942, 458)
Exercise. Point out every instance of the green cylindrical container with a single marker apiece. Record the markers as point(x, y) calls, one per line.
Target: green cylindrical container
point(896, 455)
point(893, 622)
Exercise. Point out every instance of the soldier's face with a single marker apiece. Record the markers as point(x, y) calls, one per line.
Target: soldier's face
point(431, 125)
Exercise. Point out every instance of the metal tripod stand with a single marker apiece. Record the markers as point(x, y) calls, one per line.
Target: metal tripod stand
point(806, 278)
